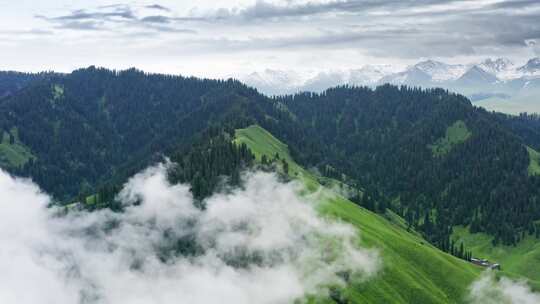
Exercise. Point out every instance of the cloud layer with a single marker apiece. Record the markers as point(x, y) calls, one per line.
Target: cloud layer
point(262, 243)
point(220, 38)
point(489, 290)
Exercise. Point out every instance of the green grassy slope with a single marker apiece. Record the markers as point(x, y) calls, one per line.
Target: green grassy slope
point(413, 271)
point(534, 161)
point(261, 142)
point(16, 154)
point(521, 260)
point(455, 134)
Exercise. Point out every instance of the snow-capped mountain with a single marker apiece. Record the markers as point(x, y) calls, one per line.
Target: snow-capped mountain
point(532, 67)
point(274, 82)
point(485, 80)
point(476, 76)
point(412, 76)
point(499, 65)
point(494, 83)
point(440, 71)
point(426, 73)
point(369, 74)
point(324, 80)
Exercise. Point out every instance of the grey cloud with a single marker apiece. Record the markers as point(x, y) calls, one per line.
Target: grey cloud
point(158, 7)
point(120, 12)
point(383, 42)
point(110, 17)
point(411, 28)
point(515, 4)
point(502, 9)
point(80, 25)
point(262, 9)
point(399, 41)
point(156, 19)
point(500, 28)
point(91, 20)
point(153, 30)
point(168, 29)
point(395, 28)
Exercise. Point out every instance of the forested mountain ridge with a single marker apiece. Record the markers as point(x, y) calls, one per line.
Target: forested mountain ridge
point(385, 139)
point(408, 275)
point(429, 155)
point(214, 163)
point(11, 82)
point(94, 123)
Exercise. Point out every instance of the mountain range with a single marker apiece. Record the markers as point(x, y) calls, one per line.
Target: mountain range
point(497, 84)
point(423, 173)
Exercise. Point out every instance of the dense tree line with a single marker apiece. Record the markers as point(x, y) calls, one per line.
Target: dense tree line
point(11, 81)
point(524, 125)
point(216, 162)
point(96, 126)
point(381, 139)
point(211, 163)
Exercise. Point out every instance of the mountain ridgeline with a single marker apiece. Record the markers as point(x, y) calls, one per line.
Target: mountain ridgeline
point(94, 124)
point(428, 155)
point(11, 82)
point(438, 160)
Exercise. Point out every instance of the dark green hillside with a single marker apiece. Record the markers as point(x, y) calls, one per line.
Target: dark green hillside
point(413, 271)
point(93, 124)
point(526, 126)
point(11, 82)
point(428, 155)
point(213, 161)
point(443, 161)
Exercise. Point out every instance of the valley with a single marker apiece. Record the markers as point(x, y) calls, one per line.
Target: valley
point(396, 163)
point(270, 152)
point(418, 281)
point(516, 261)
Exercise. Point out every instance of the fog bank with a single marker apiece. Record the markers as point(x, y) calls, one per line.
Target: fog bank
point(262, 243)
point(489, 290)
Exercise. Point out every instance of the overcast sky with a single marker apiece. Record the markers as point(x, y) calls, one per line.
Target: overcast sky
point(217, 38)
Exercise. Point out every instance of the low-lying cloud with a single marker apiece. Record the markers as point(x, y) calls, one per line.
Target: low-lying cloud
point(262, 243)
point(489, 290)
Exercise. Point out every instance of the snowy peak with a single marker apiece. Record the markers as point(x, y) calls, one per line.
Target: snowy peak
point(497, 66)
point(531, 67)
point(499, 74)
point(412, 76)
point(440, 71)
point(477, 76)
point(426, 73)
point(269, 76)
point(324, 80)
point(369, 74)
point(273, 82)
point(430, 66)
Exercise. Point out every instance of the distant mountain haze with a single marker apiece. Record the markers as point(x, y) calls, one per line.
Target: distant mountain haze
point(496, 84)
